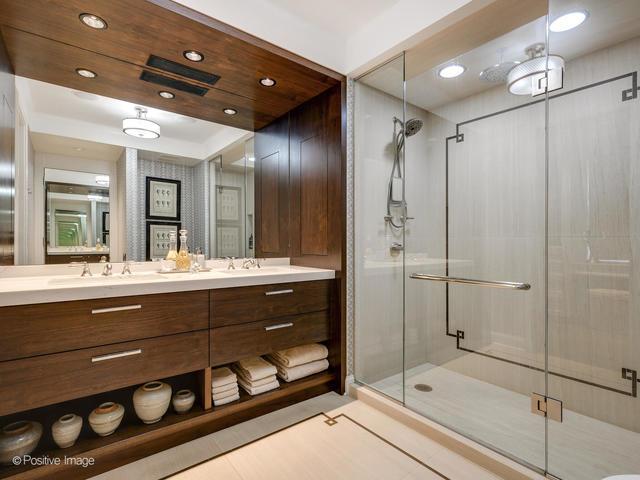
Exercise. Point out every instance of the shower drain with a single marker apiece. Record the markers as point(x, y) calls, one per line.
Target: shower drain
point(423, 387)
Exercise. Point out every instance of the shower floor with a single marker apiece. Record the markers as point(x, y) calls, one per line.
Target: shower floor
point(580, 447)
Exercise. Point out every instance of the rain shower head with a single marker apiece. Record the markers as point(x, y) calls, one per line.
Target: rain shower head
point(497, 73)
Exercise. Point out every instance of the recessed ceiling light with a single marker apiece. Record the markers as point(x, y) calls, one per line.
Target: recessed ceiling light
point(451, 71)
point(165, 94)
point(193, 55)
point(568, 21)
point(139, 126)
point(267, 82)
point(230, 111)
point(83, 72)
point(93, 21)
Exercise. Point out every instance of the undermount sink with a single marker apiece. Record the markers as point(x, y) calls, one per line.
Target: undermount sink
point(255, 271)
point(100, 279)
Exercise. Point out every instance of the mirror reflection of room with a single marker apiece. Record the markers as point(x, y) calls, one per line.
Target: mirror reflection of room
point(96, 185)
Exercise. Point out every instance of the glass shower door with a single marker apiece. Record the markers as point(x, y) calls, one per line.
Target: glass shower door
point(475, 251)
point(594, 240)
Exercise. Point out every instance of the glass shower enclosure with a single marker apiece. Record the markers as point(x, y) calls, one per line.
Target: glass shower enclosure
point(497, 236)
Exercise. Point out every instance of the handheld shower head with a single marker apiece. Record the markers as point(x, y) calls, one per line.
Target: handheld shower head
point(412, 127)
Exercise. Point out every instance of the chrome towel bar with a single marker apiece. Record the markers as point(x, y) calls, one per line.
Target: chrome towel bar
point(471, 281)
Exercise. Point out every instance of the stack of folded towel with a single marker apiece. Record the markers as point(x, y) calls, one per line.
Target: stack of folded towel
point(224, 386)
point(256, 375)
point(299, 362)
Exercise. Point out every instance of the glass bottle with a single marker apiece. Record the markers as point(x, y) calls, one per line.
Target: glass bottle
point(183, 261)
point(172, 254)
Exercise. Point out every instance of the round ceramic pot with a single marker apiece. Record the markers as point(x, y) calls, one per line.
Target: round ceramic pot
point(66, 430)
point(151, 401)
point(105, 419)
point(183, 401)
point(18, 439)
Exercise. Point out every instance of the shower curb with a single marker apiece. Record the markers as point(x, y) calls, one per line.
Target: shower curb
point(472, 451)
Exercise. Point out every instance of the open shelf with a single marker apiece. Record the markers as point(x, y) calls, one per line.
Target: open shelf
point(172, 430)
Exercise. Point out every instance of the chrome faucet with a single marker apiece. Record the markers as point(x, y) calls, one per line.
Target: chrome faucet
point(231, 265)
point(248, 263)
point(107, 271)
point(86, 271)
point(126, 268)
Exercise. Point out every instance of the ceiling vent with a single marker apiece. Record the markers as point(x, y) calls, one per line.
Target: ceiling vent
point(182, 70)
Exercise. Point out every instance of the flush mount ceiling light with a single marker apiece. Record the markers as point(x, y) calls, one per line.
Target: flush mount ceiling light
point(193, 55)
point(451, 71)
point(140, 127)
point(93, 21)
point(230, 111)
point(568, 21)
point(539, 74)
point(83, 72)
point(165, 94)
point(267, 82)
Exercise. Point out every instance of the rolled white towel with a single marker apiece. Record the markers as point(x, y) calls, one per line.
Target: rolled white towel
point(292, 357)
point(228, 393)
point(301, 371)
point(255, 368)
point(226, 400)
point(257, 390)
point(222, 376)
point(225, 388)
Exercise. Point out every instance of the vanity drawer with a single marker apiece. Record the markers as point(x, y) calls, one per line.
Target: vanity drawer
point(34, 382)
point(57, 327)
point(230, 306)
point(236, 342)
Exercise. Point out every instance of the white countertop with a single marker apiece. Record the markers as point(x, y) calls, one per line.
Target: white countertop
point(23, 290)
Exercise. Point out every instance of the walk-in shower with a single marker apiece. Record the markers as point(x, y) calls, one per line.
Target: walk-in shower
point(511, 314)
point(395, 191)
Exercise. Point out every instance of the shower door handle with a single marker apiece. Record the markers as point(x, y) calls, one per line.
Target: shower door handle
point(471, 281)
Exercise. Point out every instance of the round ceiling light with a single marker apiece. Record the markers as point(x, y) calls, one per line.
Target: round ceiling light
point(193, 55)
point(165, 94)
point(451, 71)
point(267, 82)
point(230, 111)
point(523, 78)
point(93, 21)
point(83, 72)
point(568, 21)
point(139, 126)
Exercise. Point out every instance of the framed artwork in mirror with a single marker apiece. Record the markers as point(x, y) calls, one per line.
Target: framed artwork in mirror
point(162, 198)
point(157, 238)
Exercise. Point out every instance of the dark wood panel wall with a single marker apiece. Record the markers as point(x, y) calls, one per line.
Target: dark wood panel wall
point(7, 157)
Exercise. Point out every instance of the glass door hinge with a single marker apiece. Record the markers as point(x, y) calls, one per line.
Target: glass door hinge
point(546, 407)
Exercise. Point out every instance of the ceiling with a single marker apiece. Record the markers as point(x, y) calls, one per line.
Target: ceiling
point(46, 41)
point(609, 23)
point(73, 147)
point(64, 112)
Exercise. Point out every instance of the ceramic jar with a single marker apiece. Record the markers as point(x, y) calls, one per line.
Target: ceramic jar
point(66, 430)
point(18, 439)
point(105, 419)
point(151, 401)
point(183, 401)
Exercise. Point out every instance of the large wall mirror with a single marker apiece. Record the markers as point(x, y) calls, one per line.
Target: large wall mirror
point(87, 191)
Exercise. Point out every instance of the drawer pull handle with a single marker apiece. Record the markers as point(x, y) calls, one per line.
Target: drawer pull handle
point(115, 309)
point(278, 327)
point(279, 292)
point(111, 356)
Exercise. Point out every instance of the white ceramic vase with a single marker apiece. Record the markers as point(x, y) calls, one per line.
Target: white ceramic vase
point(18, 439)
point(151, 401)
point(105, 419)
point(183, 400)
point(66, 430)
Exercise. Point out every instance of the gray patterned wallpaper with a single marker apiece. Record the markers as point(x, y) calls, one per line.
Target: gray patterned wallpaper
point(193, 197)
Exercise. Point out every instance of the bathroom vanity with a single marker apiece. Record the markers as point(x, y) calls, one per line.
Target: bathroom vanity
point(69, 356)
